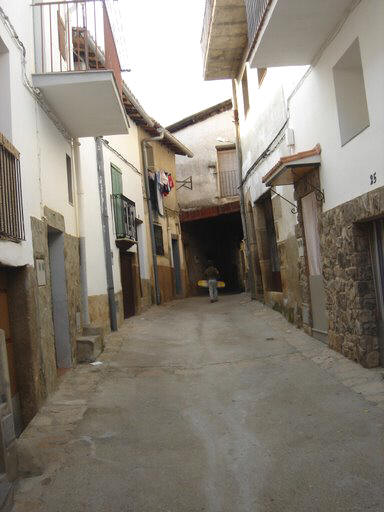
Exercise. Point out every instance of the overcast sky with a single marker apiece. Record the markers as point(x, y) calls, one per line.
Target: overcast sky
point(163, 52)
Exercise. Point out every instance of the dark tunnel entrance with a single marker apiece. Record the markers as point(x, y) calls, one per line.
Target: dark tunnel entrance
point(217, 239)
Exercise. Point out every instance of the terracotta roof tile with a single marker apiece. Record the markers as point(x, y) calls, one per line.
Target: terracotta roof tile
point(292, 158)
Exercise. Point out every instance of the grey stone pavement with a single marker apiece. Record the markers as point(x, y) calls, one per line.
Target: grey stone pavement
point(220, 407)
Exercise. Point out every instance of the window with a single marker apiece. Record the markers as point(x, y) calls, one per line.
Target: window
point(261, 72)
point(69, 180)
point(351, 99)
point(228, 173)
point(159, 244)
point(244, 87)
point(11, 203)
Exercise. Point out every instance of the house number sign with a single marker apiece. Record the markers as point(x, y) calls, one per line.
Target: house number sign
point(373, 178)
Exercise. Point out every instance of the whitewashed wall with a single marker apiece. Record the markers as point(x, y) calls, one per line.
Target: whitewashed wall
point(308, 102)
point(345, 171)
point(202, 139)
point(24, 123)
point(128, 147)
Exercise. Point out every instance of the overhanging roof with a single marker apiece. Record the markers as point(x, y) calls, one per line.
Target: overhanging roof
point(292, 168)
point(87, 103)
point(223, 106)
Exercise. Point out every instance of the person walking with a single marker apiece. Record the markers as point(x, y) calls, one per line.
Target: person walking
point(211, 273)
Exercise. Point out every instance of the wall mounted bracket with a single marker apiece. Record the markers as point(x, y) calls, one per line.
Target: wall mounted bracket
point(319, 194)
point(294, 207)
point(187, 183)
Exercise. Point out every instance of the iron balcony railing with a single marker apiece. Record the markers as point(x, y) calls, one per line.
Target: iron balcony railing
point(229, 183)
point(75, 35)
point(11, 202)
point(256, 11)
point(124, 212)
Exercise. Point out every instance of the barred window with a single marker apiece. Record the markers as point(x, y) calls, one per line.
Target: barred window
point(159, 244)
point(11, 203)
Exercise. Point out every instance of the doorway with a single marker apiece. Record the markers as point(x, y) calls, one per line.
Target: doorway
point(176, 265)
point(59, 299)
point(6, 327)
point(377, 254)
point(316, 281)
point(128, 283)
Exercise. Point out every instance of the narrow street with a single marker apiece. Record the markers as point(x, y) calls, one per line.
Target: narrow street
point(220, 407)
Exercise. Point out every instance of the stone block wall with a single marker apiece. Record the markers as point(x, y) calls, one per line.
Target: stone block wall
point(72, 270)
point(348, 274)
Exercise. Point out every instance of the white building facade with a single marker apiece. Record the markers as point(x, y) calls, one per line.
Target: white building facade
point(311, 126)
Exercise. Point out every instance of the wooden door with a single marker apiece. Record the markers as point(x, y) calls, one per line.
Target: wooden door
point(316, 281)
point(128, 283)
point(4, 325)
point(177, 265)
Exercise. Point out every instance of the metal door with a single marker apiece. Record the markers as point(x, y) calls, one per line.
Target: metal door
point(377, 253)
point(316, 282)
point(176, 265)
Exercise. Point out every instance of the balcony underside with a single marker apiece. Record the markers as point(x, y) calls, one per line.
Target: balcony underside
point(226, 39)
point(295, 31)
point(87, 103)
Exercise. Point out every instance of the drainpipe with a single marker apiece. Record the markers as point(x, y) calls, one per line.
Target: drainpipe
point(105, 228)
point(241, 192)
point(144, 144)
point(81, 224)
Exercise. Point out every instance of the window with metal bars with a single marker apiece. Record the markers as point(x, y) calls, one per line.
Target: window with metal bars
point(159, 243)
point(11, 203)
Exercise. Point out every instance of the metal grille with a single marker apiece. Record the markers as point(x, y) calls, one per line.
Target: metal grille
point(124, 211)
point(75, 35)
point(229, 183)
point(159, 243)
point(256, 10)
point(11, 204)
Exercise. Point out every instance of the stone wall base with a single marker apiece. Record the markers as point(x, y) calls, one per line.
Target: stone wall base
point(348, 275)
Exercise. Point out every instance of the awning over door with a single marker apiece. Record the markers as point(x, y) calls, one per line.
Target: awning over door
point(292, 168)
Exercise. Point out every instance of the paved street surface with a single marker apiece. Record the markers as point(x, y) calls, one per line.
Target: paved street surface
point(220, 407)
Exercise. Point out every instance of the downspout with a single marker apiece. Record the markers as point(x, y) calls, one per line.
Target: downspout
point(241, 193)
point(81, 234)
point(144, 144)
point(105, 228)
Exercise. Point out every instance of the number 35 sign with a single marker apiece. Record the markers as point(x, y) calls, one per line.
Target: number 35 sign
point(372, 178)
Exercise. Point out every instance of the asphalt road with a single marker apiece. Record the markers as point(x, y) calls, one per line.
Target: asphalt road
point(220, 407)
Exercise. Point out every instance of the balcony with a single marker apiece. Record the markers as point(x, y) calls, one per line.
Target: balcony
point(77, 67)
point(224, 38)
point(11, 203)
point(124, 213)
point(292, 32)
point(266, 32)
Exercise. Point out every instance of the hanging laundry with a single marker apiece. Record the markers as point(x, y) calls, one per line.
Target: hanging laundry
point(170, 181)
point(153, 191)
point(160, 207)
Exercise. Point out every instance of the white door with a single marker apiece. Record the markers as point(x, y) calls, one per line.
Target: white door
point(316, 282)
